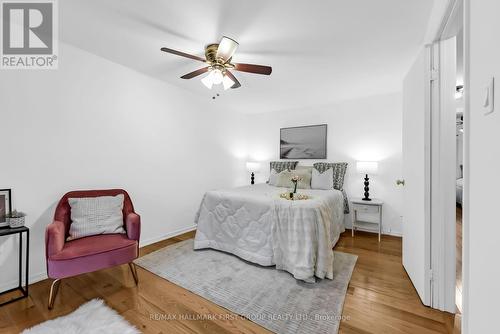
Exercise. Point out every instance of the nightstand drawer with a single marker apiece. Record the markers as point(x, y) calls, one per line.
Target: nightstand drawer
point(366, 208)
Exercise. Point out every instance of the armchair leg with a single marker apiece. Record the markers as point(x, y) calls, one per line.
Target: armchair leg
point(54, 288)
point(133, 269)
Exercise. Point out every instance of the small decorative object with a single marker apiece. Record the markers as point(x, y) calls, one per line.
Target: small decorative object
point(294, 197)
point(253, 167)
point(301, 196)
point(295, 179)
point(16, 219)
point(303, 142)
point(5, 206)
point(367, 167)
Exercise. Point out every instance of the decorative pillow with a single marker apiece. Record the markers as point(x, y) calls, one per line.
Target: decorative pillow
point(322, 180)
point(339, 169)
point(96, 215)
point(280, 166)
point(285, 177)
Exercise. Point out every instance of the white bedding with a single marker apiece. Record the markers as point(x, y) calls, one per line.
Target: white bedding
point(254, 223)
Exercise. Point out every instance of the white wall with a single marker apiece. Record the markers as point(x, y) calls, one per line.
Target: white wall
point(93, 124)
point(364, 129)
point(481, 223)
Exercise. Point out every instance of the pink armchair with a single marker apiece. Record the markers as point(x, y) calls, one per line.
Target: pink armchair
point(71, 258)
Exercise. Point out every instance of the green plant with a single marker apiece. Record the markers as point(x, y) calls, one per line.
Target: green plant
point(15, 214)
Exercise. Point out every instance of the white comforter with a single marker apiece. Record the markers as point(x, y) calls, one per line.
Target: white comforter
point(254, 223)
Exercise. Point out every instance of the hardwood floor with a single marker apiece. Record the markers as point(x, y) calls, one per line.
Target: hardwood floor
point(380, 298)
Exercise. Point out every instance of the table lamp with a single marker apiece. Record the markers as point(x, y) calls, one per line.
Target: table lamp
point(253, 167)
point(367, 167)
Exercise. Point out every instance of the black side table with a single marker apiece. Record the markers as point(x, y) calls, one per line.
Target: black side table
point(20, 231)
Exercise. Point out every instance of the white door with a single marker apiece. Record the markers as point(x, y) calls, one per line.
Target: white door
point(416, 174)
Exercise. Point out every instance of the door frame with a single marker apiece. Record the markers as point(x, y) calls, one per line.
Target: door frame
point(443, 169)
point(465, 173)
point(443, 252)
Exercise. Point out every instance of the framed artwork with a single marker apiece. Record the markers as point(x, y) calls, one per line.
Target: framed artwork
point(303, 142)
point(5, 205)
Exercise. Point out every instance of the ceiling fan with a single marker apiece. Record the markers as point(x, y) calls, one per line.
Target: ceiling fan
point(218, 58)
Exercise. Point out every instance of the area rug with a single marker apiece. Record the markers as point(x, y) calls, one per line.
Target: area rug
point(269, 297)
point(91, 317)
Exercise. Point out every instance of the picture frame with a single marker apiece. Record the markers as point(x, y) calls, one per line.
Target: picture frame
point(304, 142)
point(5, 205)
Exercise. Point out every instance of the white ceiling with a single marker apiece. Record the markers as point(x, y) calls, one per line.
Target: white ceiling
point(321, 51)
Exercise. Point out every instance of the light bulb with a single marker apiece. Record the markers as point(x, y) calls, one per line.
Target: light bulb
point(217, 77)
point(208, 80)
point(227, 82)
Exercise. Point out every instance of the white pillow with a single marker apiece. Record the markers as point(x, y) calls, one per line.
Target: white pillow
point(285, 177)
point(273, 177)
point(96, 215)
point(322, 180)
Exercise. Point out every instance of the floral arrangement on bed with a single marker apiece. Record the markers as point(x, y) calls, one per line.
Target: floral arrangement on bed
point(299, 197)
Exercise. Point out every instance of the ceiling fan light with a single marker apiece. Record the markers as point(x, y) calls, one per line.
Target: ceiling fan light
point(208, 80)
point(217, 77)
point(227, 82)
point(227, 48)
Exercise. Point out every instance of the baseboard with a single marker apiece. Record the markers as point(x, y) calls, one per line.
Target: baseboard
point(43, 275)
point(32, 279)
point(167, 235)
point(394, 234)
point(391, 233)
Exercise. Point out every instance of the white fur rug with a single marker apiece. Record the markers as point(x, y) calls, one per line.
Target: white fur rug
point(91, 317)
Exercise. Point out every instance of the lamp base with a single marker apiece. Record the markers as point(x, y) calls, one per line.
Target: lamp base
point(367, 189)
point(252, 178)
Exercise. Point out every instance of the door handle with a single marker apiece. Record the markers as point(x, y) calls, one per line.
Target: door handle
point(400, 182)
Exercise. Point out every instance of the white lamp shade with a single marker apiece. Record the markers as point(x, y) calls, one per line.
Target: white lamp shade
point(367, 167)
point(226, 49)
point(217, 76)
point(227, 82)
point(208, 80)
point(253, 166)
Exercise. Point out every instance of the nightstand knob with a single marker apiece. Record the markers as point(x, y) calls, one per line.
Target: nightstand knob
point(400, 182)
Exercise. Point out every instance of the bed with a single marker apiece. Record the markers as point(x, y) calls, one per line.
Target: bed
point(255, 224)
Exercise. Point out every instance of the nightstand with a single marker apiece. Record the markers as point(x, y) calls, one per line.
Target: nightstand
point(373, 207)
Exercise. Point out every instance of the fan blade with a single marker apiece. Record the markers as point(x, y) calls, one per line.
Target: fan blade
point(195, 73)
point(236, 82)
point(251, 68)
point(183, 54)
